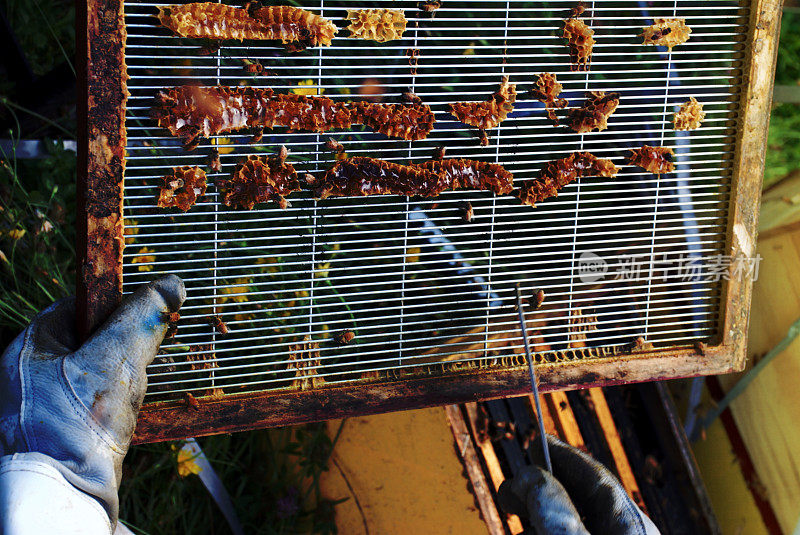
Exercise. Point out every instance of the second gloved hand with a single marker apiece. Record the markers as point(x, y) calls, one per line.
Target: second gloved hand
point(580, 497)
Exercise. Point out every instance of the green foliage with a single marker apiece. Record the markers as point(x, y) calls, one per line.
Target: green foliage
point(787, 70)
point(45, 30)
point(37, 222)
point(271, 475)
point(783, 146)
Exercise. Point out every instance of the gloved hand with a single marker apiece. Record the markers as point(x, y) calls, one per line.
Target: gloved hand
point(579, 488)
point(74, 406)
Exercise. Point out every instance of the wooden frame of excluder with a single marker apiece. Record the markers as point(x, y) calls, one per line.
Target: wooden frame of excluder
point(102, 95)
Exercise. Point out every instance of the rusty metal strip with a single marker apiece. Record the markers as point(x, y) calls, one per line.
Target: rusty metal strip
point(102, 94)
point(239, 412)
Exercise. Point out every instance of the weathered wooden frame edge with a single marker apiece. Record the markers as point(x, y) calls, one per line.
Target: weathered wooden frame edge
point(748, 171)
point(102, 96)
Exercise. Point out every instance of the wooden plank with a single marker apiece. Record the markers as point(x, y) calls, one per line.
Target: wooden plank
point(615, 446)
point(738, 495)
point(491, 462)
point(669, 427)
point(489, 456)
point(567, 429)
point(767, 412)
point(748, 171)
point(780, 205)
point(466, 450)
point(102, 95)
point(733, 502)
point(547, 418)
point(564, 419)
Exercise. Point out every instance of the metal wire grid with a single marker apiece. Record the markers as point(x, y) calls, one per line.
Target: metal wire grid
point(410, 277)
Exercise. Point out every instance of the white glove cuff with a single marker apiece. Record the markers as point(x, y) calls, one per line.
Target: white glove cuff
point(35, 498)
point(649, 527)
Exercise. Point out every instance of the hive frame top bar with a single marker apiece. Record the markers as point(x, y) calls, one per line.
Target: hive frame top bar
point(426, 293)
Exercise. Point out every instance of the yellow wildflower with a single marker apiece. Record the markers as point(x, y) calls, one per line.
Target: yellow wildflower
point(16, 233)
point(235, 294)
point(232, 293)
point(144, 258)
point(224, 145)
point(322, 271)
point(413, 254)
point(131, 227)
point(186, 464)
point(304, 89)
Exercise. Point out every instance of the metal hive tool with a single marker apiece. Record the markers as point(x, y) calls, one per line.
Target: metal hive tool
point(427, 294)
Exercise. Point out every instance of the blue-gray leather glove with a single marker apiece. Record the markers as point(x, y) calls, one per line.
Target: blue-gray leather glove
point(580, 497)
point(73, 407)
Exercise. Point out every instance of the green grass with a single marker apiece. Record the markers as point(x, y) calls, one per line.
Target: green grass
point(45, 30)
point(787, 70)
point(271, 475)
point(37, 221)
point(783, 146)
point(37, 197)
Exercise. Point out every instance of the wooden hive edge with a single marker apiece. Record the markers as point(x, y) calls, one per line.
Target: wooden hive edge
point(748, 171)
point(102, 97)
point(240, 412)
